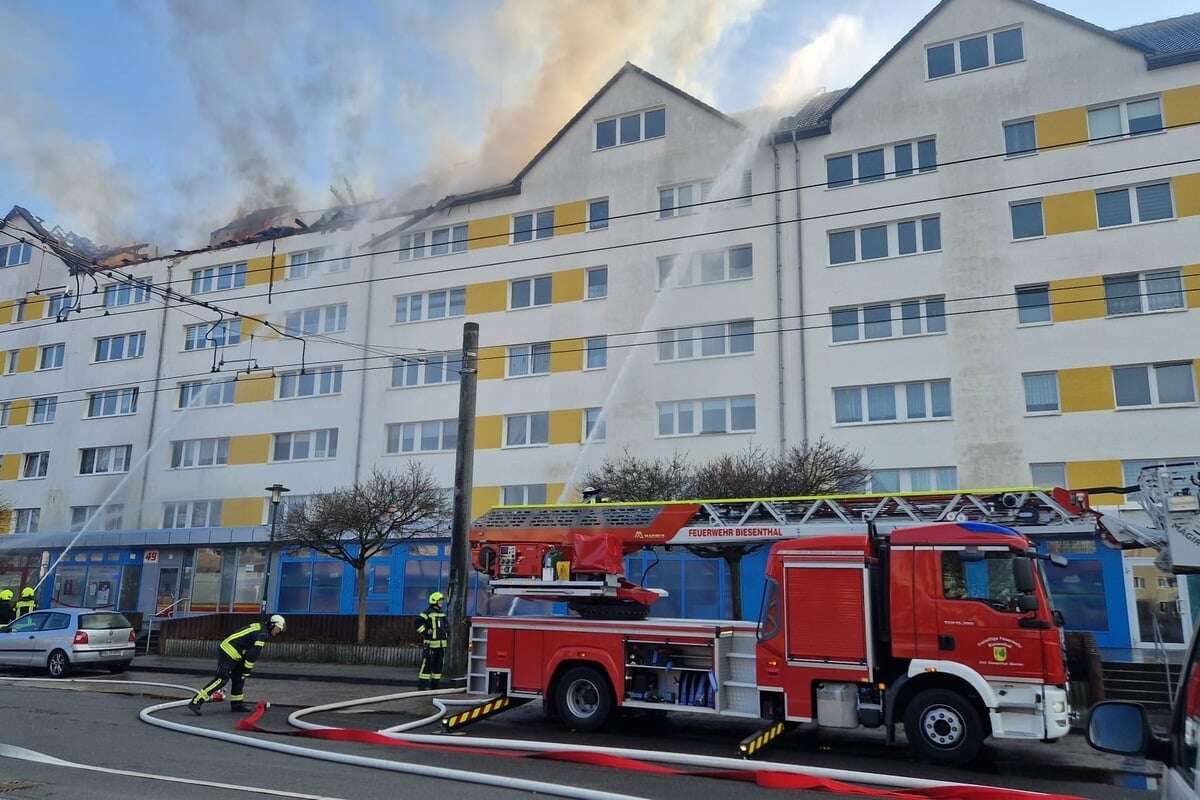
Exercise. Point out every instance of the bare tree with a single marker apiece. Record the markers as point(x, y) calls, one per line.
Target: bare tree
point(355, 523)
point(817, 467)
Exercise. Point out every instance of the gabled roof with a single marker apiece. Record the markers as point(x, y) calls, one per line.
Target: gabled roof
point(1165, 42)
point(30, 220)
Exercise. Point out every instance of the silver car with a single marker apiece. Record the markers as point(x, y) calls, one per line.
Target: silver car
point(59, 639)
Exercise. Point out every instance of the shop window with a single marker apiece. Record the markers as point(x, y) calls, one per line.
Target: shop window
point(422, 576)
point(327, 587)
point(294, 586)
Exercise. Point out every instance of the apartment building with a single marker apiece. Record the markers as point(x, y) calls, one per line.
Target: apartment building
point(973, 265)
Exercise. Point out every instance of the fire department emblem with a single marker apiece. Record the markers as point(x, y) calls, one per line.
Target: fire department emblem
point(999, 653)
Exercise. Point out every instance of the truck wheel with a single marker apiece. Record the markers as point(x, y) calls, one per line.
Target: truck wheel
point(583, 698)
point(943, 726)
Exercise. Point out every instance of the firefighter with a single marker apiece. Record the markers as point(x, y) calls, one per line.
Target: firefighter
point(6, 606)
point(239, 651)
point(27, 604)
point(431, 627)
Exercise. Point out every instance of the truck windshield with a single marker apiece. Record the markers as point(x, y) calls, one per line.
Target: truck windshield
point(990, 581)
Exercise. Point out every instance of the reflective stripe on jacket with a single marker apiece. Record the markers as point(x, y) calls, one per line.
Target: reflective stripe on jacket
point(23, 607)
point(431, 627)
point(245, 645)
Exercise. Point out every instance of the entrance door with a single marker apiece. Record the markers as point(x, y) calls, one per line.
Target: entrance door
point(1158, 605)
point(168, 591)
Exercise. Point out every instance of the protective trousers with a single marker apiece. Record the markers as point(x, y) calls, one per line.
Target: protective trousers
point(227, 670)
point(430, 676)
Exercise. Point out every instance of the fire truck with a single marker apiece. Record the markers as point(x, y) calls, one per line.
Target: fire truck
point(922, 609)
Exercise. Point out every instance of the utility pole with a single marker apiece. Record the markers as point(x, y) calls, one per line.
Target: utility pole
point(464, 469)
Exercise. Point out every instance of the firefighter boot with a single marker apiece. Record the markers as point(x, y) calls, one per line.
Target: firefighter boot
point(194, 706)
point(238, 707)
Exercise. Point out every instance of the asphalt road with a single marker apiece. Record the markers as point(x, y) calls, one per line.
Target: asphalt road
point(101, 728)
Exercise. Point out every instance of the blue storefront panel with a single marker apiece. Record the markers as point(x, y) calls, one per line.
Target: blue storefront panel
point(1090, 590)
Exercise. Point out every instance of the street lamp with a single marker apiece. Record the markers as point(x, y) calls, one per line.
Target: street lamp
point(275, 494)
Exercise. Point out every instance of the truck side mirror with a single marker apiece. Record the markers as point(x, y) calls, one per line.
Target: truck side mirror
point(1058, 560)
point(1023, 575)
point(1028, 602)
point(971, 555)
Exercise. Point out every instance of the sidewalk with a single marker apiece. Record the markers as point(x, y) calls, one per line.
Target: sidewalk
point(361, 674)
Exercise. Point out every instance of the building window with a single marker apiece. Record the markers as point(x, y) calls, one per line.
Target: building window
point(529, 494)
point(1051, 474)
point(57, 303)
point(14, 255)
point(745, 189)
point(682, 200)
point(889, 320)
point(305, 445)
point(410, 246)
point(430, 369)
point(313, 382)
point(1027, 220)
point(127, 293)
point(906, 237)
point(105, 460)
point(897, 160)
point(1130, 118)
point(120, 348)
point(706, 341)
point(1033, 304)
point(892, 402)
point(534, 225)
point(529, 292)
point(191, 453)
point(1117, 206)
point(1020, 138)
point(107, 518)
point(44, 410)
point(526, 430)
point(597, 283)
point(974, 52)
point(431, 305)
point(913, 479)
point(304, 263)
point(431, 436)
point(207, 334)
point(1142, 292)
point(322, 319)
point(1041, 392)
point(201, 394)
point(736, 263)
point(215, 279)
point(630, 128)
point(1154, 385)
point(707, 416)
point(35, 465)
point(597, 214)
point(597, 353)
point(51, 356)
point(112, 403)
point(25, 520)
point(192, 514)
point(529, 359)
point(595, 426)
point(1131, 471)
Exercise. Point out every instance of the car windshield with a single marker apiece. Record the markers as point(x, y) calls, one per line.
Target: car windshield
point(102, 621)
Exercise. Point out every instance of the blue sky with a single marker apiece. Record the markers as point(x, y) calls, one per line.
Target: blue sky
point(161, 119)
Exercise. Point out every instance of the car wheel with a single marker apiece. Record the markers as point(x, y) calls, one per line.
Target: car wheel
point(119, 667)
point(58, 665)
point(943, 726)
point(583, 698)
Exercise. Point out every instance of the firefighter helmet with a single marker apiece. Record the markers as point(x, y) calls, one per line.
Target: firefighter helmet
point(27, 592)
point(277, 621)
point(436, 598)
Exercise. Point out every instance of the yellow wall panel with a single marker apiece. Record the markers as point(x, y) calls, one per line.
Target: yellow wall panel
point(566, 355)
point(1086, 389)
point(1181, 106)
point(6, 520)
point(487, 232)
point(483, 298)
point(482, 499)
point(1070, 212)
point(242, 512)
point(1061, 128)
point(555, 490)
point(491, 363)
point(259, 270)
point(489, 432)
point(7, 309)
point(27, 360)
point(255, 327)
point(252, 449)
point(35, 306)
point(566, 426)
point(570, 217)
point(1191, 285)
point(10, 466)
point(1187, 194)
point(1085, 474)
point(568, 285)
point(1196, 370)
point(254, 389)
point(18, 412)
point(1077, 298)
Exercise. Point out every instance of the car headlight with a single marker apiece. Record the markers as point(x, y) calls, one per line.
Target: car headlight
point(1059, 707)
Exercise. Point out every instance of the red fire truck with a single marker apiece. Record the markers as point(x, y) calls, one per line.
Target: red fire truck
point(927, 614)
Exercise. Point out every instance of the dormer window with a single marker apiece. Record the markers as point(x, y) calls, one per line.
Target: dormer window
point(974, 52)
point(630, 128)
